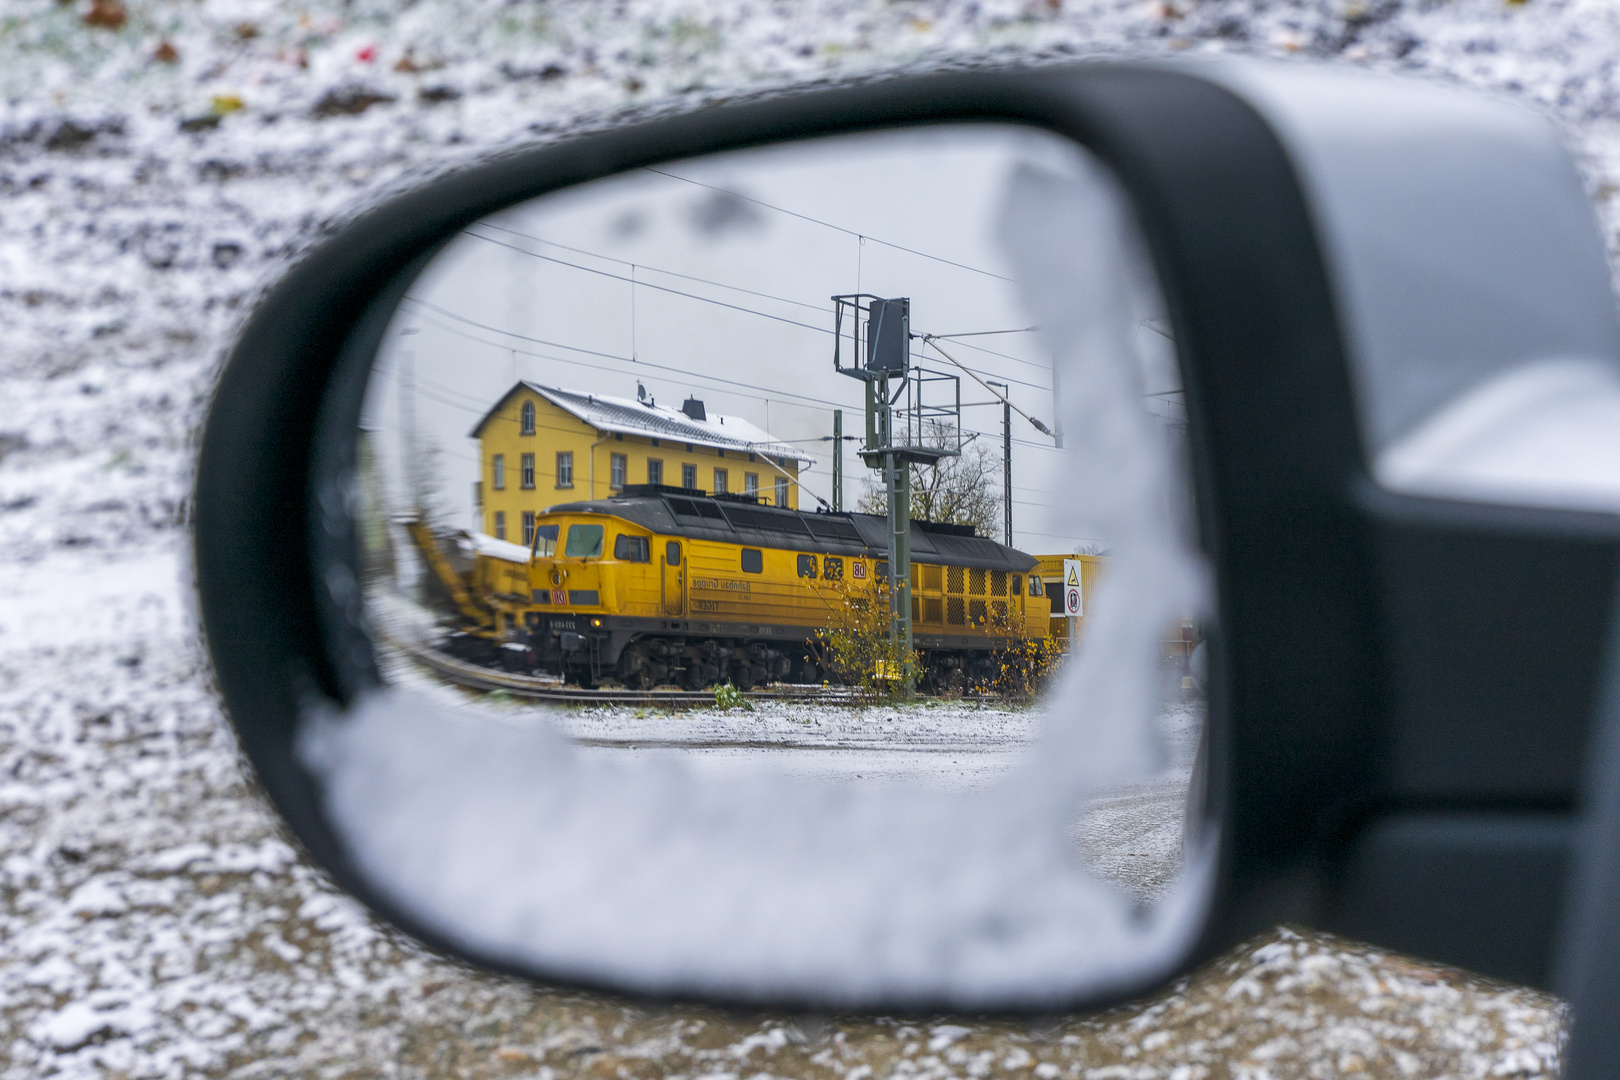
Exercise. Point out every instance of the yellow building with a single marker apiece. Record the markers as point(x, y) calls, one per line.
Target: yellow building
point(540, 446)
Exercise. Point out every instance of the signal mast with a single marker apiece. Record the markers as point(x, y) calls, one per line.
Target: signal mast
point(902, 428)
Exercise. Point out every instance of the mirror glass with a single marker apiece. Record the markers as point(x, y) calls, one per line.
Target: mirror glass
point(779, 571)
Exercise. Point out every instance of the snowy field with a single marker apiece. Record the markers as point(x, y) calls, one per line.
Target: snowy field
point(160, 164)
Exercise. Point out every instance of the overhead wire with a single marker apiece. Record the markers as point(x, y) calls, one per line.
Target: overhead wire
point(722, 285)
point(985, 333)
point(1042, 428)
point(655, 269)
point(648, 284)
point(815, 404)
point(827, 224)
point(638, 364)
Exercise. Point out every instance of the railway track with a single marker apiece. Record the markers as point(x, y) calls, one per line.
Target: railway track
point(478, 677)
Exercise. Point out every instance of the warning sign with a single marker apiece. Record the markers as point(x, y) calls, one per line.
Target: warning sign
point(1074, 601)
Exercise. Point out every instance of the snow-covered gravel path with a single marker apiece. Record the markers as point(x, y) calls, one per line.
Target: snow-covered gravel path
point(154, 176)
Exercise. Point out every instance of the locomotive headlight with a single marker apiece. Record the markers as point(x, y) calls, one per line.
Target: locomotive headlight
point(596, 623)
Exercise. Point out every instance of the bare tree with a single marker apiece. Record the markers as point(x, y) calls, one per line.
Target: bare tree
point(960, 490)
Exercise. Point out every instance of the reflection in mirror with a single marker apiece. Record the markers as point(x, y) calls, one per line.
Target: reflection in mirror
point(779, 569)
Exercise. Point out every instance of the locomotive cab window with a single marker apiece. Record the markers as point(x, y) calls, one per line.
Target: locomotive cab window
point(753, 561)
point(672, 553)
point(1015, 584)
point(1035, 587)
point(584, 541)
point(807, 566)
point(631, 548)
point(545, 541)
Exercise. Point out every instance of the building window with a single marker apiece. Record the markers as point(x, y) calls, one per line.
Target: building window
point(565, 468)
point(781, 491)
point(753, 561)
point(720, 453)
point(751, 484)
point(528, 472)
point(807, 566)
point(750, 457)
point(655, 442)
point(632, 548)
point(719, 481)
point(500, 524)
point(655, 471)
point(497, 472)
point(528, 527)
point(688, 476)
point(478, 494)
point(527, 427)
point(617, 467)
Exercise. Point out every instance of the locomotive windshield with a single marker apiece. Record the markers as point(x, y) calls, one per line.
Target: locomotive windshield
point(545, 542)
point(584, 541)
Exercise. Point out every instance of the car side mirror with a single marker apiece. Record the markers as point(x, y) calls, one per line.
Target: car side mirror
point(1268, 357)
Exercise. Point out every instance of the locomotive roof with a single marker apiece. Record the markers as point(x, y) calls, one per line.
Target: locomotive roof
point(736, 521)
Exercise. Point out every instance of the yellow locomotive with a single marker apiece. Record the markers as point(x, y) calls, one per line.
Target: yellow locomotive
point(662, 584)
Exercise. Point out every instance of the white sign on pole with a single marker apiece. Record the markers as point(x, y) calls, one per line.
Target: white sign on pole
point(1073, 599)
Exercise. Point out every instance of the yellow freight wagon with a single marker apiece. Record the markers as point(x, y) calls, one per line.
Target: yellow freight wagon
point(665, 584)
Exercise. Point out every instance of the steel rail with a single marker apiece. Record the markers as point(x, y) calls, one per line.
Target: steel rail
point(479, 677)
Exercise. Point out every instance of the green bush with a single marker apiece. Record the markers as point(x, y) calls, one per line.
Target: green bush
point(728, 697)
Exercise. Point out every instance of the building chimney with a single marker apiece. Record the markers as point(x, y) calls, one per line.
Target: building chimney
point(694, 409)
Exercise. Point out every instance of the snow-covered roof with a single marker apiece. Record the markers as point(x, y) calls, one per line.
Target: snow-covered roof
point(490, 547)
point(630, 417)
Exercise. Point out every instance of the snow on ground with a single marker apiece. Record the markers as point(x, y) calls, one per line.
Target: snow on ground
point(159, 165)
point(1131, 836)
